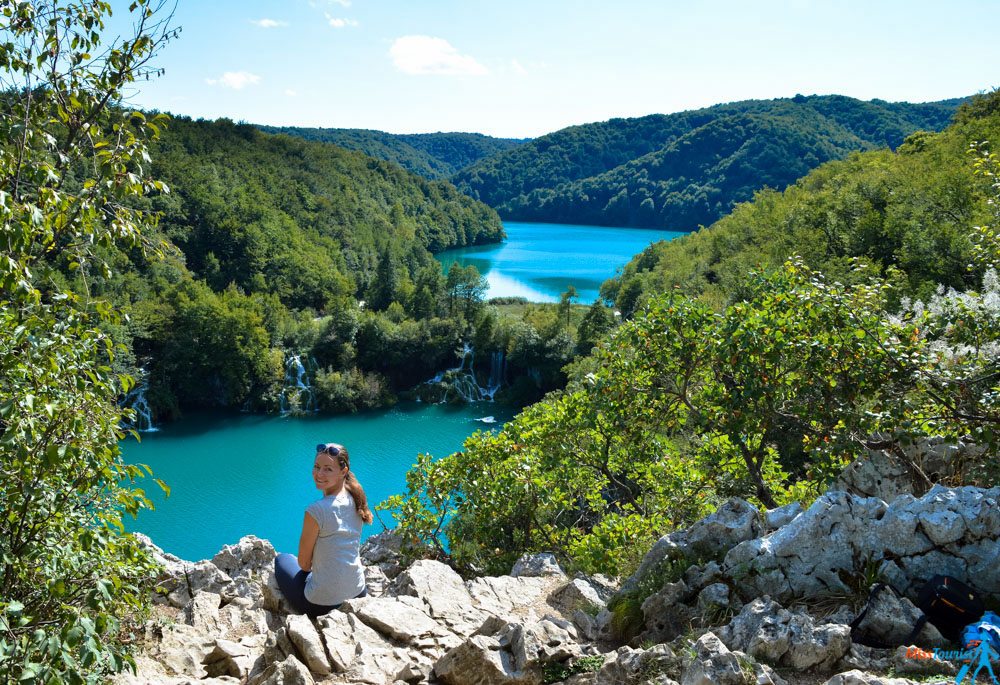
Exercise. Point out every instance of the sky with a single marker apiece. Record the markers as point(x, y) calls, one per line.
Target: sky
point(521, 68)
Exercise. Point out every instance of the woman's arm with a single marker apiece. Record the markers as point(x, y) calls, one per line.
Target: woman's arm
point(307, 542)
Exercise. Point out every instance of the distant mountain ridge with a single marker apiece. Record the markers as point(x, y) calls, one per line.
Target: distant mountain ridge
point(434, 156)
point(687, 169)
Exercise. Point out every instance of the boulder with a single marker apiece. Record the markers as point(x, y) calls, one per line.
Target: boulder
point(481, 660)
point(251, 555)
point(766, 631)
point(183, 650)
point(363, 656)
point(889, 620)
point(394, 618)
point(308, 645)
point(627, 665)
point(537, 643)
point(290, 671)
point(887, 475)
point(443, 594)
point(384, 551)
point(735, 521)
point(808, 556)
point(666, 613)
point(272, 598)
point(713, 600)
point(505, 596)
point(536, 566)
point(234, 659)
point(782, 516)
point(714, 664)
point(578, 594)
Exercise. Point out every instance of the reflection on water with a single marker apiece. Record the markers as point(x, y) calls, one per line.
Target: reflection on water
point(539, 261)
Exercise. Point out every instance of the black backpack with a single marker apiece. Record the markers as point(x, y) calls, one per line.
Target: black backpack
point(950, 605)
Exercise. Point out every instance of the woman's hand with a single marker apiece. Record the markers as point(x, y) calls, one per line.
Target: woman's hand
point(307, 542)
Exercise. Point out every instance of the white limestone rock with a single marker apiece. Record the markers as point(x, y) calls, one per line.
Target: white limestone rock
point(481, 660)
point(577, 594)
point(890, 619)
point(308, 645)
point(394, 618)
point(536, 566)
point(767, 632)
point(443, 594)
point(291, 671)
point(713, 664)
point(628, 665)
point(506, 596)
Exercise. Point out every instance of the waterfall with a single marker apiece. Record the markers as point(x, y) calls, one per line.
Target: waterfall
point(460, 383)
point(297, 395)
point(142, 419)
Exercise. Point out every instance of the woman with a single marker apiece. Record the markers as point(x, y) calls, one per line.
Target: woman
point(328, 569)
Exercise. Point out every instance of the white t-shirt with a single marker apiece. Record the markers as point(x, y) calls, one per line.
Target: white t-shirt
point(337, 573)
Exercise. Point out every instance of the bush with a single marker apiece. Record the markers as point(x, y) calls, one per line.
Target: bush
point(71, 584)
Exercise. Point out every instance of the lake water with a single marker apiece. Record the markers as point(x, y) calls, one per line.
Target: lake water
point(538, 261)
point(235, 475)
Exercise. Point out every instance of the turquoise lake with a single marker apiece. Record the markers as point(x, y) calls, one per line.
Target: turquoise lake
point(235, 475)
point(538, 261)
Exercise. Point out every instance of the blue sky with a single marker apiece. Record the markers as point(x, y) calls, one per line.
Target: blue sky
point(522, 69)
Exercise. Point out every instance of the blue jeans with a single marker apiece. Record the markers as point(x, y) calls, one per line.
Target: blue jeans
point(292, 581)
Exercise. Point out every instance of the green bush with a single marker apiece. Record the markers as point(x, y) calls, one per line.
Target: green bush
point(72, 585)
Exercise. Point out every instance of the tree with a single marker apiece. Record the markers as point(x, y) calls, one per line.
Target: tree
point(566, 304)
point(467, 288)
point(72, 165)
point(598, 320)
point(384, 289)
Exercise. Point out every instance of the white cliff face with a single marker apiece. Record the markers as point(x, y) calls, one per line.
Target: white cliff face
point(748, 602)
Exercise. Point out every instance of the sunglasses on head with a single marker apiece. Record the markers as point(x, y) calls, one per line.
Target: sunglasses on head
point(332, 450)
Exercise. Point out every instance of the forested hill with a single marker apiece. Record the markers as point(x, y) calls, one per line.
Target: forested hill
point(908, 212)
point(304, 218)
point(432, 155)
point(683, 170)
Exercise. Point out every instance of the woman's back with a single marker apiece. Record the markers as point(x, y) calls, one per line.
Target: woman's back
point(337, 572)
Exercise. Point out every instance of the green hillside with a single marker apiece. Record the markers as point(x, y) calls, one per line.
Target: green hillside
point(683, 170)
point(274, 246)
point(297, 218)
point(431, 155)
point(742, 369)
point(909, 210)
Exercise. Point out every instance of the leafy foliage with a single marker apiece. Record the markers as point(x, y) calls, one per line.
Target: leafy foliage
point(431, 155)
point(683, 170)
point(71, 168)
point(767, 398)
point(907, 213)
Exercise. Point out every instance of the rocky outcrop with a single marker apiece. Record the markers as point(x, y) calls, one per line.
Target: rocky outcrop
point(906, 469)
point(952, 531)
point(729, 600)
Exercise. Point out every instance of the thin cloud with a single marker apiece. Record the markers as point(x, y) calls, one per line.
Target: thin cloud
point(339, 23)
point(236, 80)
point(291, 93)
point(517, 67)
point(429, 55)
point(268, 23)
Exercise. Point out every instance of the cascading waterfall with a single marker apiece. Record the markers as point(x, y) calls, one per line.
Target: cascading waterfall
point(460, 383)
point(297, 395)
point(142, 419)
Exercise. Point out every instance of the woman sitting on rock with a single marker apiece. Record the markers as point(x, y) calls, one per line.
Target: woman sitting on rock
point(328, 570)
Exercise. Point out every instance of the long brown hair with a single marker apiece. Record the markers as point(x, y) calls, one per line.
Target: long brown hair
point(352, 484)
